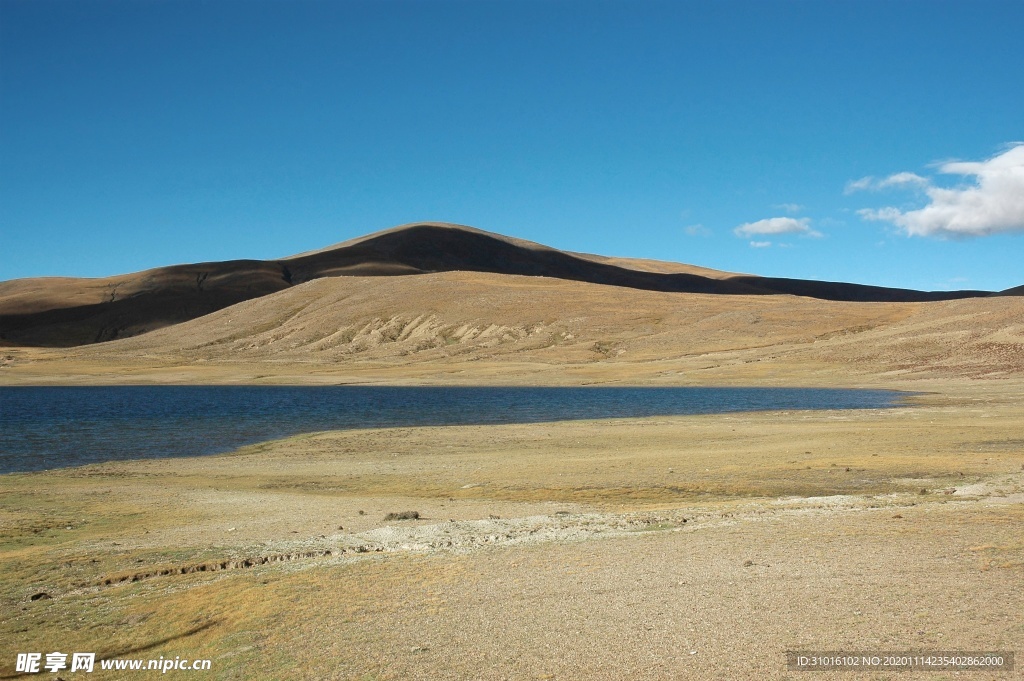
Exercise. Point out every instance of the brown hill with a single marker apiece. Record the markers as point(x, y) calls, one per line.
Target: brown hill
point(62, 312)
point(479, 327)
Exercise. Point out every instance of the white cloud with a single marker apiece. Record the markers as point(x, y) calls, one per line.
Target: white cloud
point(760, 244)
point(992, 203)
point(859, 185)
point(697, 230)
point(903, 179)
point(776, 226)
point(898, 180)
point(789, 207)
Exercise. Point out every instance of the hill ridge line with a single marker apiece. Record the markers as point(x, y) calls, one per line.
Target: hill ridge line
point(64, 311)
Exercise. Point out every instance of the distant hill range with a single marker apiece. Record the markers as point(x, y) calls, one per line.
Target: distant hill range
point(64, 312)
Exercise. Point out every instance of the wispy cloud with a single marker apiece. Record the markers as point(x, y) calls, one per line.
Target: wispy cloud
point(697, 230)
point(860, 185)
point(760, 244)
point(991, 203)
point(789, 207)
point(776, 226)
point(899, 180)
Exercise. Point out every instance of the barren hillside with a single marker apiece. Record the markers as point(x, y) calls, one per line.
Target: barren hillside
point(467, 326)
point(66, 312)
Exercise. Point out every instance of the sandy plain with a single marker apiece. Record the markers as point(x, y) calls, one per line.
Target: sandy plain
point(664, 548)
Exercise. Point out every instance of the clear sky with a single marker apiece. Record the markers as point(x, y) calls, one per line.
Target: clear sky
point(872, 142)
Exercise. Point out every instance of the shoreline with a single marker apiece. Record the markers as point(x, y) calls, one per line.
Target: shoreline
point(523, 404)
point(569, 530)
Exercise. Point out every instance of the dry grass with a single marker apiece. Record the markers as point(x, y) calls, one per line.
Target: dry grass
point(464, 327)
point(902, 570)
point(389, 616)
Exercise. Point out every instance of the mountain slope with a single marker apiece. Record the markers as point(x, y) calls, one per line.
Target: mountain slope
point(63, 312)
point(478, 327)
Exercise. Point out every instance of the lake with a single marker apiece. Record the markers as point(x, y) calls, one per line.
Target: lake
point(55, 427)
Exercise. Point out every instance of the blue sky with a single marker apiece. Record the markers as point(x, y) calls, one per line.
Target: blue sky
point(873, 142)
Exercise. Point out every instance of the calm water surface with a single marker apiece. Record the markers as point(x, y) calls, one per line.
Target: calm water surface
point(54, 427)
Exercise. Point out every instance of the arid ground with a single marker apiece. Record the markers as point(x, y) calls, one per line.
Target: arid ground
point(699, 547)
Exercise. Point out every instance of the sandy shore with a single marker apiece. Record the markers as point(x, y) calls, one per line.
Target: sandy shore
point(697, 547)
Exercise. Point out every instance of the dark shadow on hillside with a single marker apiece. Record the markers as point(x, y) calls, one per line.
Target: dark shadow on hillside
point(172, 295)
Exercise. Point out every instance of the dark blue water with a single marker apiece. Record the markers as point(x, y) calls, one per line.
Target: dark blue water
point(42, 428)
